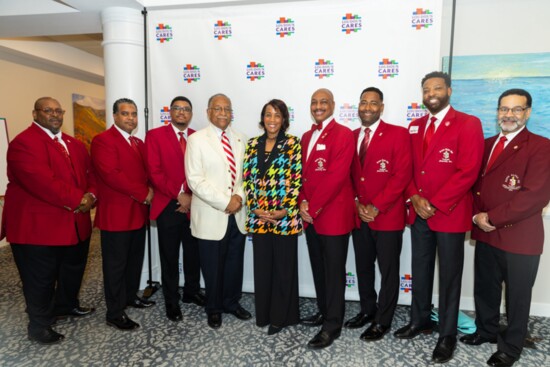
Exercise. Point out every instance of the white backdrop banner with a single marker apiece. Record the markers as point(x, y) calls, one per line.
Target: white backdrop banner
point(255, 53)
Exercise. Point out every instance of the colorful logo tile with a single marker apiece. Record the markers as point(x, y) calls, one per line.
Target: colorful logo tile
point(406, 283)
point(222, 30)
point(324, 68)
point(415, 111)
point(422, 19)
point(163, 33)
point(290, 114)
point(191, 73)
point(388, 68)
point(284, 27)
point(351, 23)
point(351, 279)
point(165, 118)
point(255, 71)
point(348, 113)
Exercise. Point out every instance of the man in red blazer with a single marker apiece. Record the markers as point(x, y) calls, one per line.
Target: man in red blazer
point(327, 207)
point(170, 207)
point(509, 195)
point(382, 170)
point(447, 148)
point(46, 218)
point(124, 195)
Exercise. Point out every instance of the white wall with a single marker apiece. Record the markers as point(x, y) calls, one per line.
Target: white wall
point(21, 85)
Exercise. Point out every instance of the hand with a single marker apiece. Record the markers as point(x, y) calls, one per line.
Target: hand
point(149, 196)
point(367, 213)
point(86, 203)
point(270, 216)
point(235, 204)
point(482, 221)
point(304, 212)
point(184, 202)
point(422, 206)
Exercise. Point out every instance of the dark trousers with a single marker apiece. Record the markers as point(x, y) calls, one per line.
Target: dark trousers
point(173, 233)
point(518, 272)
point(51, 277)
point(276, 279)
point(385, 246)
point(222, 268)
point(327, 255)
point(450, 249)
point(122, 254)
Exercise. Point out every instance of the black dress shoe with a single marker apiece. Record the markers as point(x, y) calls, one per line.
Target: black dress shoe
point(501, 359)
point(215, 320)
point(273, 330)
point(123, 323)
point(241, 313)
point(360, 320)
point(411, 331)
point(313, 320)
point(198, 298)
point(444, 349)
point(46, 336)
point(323, 339)
point(374, 332)
point(173, 313)
point(76, 312)
point(141, 303)
point(476, 339)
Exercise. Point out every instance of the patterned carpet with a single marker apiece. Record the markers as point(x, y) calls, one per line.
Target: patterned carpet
point(160, 342)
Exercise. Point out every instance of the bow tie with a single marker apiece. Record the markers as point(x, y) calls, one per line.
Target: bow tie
point(318, 126)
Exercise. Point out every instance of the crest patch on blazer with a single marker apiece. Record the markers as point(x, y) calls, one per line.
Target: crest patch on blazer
point(512, 182)
point(321, 163)
point(382, 165)
point(446, 155)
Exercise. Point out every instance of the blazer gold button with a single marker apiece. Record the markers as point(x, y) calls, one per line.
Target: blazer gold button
point(362, 178)
point(422, 172)
point(478, 193)
point(419, 190)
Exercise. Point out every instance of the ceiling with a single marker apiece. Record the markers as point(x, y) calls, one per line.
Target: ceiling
point(77, 23)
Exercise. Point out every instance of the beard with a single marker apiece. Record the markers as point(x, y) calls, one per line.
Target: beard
point(510, 124)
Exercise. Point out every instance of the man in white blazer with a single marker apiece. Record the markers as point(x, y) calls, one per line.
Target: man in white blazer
point(213, 167)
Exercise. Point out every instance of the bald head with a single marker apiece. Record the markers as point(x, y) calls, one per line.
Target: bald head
point(48, 114)
point(322, 105)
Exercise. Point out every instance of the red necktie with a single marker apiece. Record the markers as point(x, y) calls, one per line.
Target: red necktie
point(61, 147)
point(429, 134)
point(496, 152)
point(230, 157)
point(134, 145)
point(364, 146)
point(183, 143)
point(318, 126)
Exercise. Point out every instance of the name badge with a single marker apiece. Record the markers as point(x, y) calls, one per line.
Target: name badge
point(413, 130)
point(321, 147)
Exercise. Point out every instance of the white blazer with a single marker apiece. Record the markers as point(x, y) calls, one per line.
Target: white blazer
point(209, 177)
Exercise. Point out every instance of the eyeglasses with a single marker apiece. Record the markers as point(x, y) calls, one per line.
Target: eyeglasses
point(51, 111)
point(219, 109)
point(515, 110)
point(181, 109)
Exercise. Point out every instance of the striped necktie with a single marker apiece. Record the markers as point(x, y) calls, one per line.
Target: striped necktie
point(230, 157)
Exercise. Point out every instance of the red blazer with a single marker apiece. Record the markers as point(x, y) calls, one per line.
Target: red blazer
point(166, 167)
point(44, 189)
point(513, 192)
point(448, 171)
point(384, 176)
point(326, 180)
point(121, 182)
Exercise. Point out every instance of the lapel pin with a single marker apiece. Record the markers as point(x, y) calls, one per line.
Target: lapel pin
point(515, 147)
point(447, 123)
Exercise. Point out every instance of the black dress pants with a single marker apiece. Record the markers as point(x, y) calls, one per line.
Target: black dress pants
point(51, 277)
point(450, 249)
point(222, 268)
point(122, 254)
point(174, 233)
point(518, 272)
point(276, 279)
point(327, 255)
point(385, 246)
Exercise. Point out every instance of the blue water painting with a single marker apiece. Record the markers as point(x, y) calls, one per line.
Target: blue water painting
point(478, 81)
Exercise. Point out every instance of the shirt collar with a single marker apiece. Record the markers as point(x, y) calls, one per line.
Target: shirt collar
point(440, 115)
point(372, 128)
point(177, 131)
point(124, 133)
point(510, 136)
point(50, 134)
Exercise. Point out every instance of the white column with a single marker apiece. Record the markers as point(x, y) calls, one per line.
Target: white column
point(123, 49)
